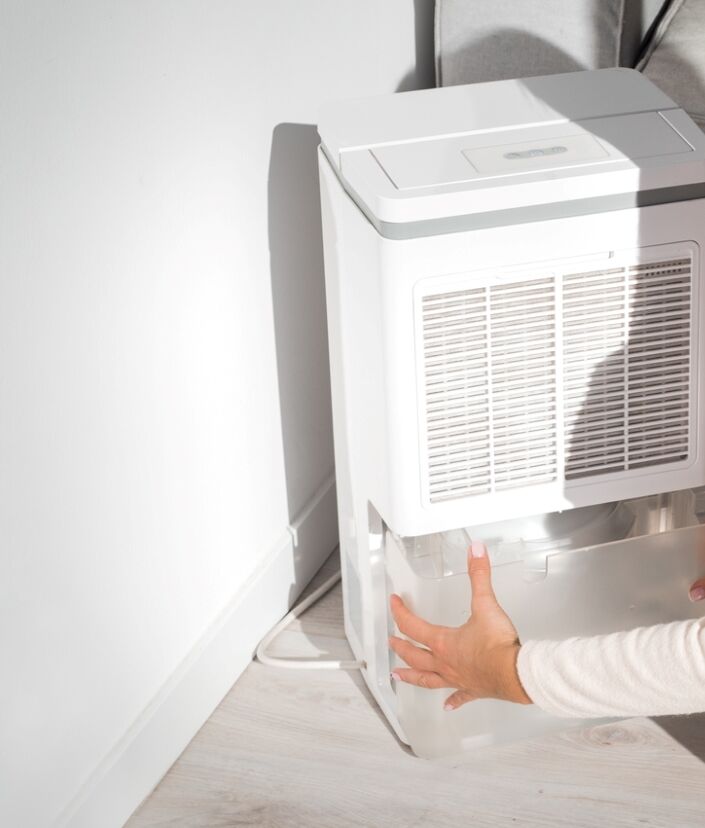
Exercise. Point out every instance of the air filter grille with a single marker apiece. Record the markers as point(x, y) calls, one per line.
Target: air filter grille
point(456, 378)
point(564, 376)
point(523, 361)
point(626, 336)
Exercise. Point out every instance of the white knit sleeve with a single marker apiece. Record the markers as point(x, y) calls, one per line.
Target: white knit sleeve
point(649, 671)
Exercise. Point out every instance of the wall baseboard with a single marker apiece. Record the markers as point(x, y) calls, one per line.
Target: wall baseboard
point(152, 744)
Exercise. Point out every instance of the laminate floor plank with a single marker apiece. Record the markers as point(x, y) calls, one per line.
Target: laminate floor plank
point(292, 748)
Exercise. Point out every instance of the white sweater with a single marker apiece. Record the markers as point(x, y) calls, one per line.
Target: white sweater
point(649, 671)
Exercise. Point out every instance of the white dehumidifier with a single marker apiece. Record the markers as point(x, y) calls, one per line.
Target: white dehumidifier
point(514, 277)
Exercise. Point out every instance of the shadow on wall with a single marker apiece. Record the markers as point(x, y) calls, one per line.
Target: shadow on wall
point(422, 76)
point(298, 294)
point(301, 334)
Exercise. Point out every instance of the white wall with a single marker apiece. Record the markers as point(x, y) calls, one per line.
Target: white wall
point(152, 452)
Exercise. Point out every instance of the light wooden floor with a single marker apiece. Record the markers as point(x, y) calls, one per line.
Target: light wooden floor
point(298, 748)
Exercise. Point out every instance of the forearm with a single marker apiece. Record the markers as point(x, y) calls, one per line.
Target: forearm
point(648, 671)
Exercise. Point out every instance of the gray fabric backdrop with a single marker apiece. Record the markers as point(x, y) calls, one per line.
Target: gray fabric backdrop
point(479, 40)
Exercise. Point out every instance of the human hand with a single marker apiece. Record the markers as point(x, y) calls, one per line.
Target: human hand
point(697, 590)
point(478, 659)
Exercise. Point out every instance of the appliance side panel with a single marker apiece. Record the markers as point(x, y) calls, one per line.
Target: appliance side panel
point(360, 425)
point(357, 382)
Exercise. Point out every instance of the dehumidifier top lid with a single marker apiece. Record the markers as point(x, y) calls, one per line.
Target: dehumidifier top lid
point(462, 157)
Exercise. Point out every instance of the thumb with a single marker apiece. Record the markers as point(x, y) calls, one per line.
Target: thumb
point(697, 590)
point(479, 571)
point(457, 699)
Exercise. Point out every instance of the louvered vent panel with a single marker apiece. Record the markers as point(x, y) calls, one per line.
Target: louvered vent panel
point(475, 445)
point(659, 362)
point(493, 380)
point(626, 335)
point(523, 360)
point(456, 375)
point(594, 332)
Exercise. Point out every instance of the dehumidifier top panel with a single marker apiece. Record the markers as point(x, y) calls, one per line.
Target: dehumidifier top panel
point(481, 155)
point(514, 153)
point(486, 107)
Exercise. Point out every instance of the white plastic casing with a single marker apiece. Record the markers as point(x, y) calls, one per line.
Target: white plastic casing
point(440, 154)
point(376, 288)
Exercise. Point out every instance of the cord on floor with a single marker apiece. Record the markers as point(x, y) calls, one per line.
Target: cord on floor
point(300, 664)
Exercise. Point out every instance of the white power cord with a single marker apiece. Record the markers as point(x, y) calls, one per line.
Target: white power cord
point(301, 664)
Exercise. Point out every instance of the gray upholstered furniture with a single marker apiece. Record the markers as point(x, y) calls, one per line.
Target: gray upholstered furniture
point(479, 40)
point(675, 57)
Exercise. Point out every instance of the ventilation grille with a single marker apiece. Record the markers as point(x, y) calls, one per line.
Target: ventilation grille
point(456, 365)
point(523, 350)
point(626, 337)
point(567, 376)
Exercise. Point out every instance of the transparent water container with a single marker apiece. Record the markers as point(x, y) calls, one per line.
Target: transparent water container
point(588, 571)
